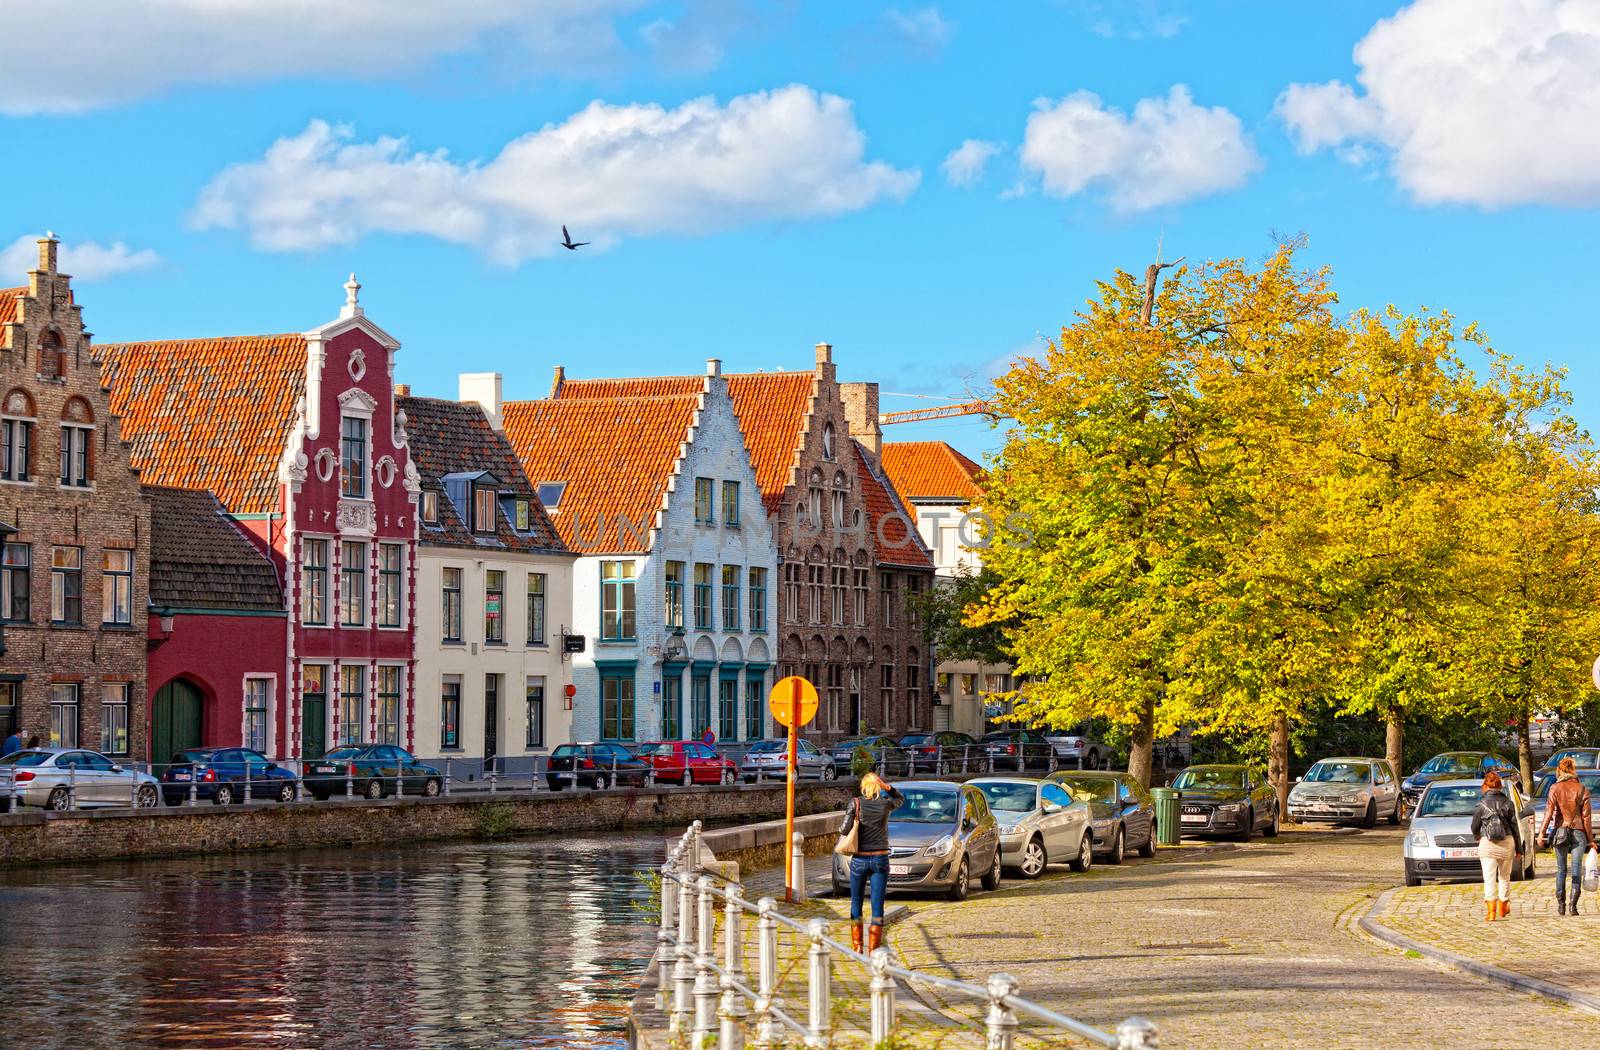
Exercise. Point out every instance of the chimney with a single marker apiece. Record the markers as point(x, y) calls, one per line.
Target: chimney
point(825, 361)
point(483, 389)
point(714, 367)
point(47, 252)
point(861, 412)
point(558, 382)
point(402, 390)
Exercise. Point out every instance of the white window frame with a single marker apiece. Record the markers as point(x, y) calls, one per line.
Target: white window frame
point(399, 669)
point(404, 577)
point(270, 683)
point(69, 452)
point(329, 584)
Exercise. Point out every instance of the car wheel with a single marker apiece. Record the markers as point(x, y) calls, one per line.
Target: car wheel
point(1148, 849)
point(223, 796)
point(286, 792)
point(601, 782)
point(1369, 819)
point(1398, 814)
point(1271, 830)
point(988, 765)
point(1092, 760)
point(1051, 764)
point(1034, 859)
point(320, 796)
point(991, 878)
point(1246, 833)
point(944, 768)
point(58, 800)
point(146, 798)
point(431, 787)
point(827, 772)
point(1413, 879)
point(1085, 859)
point(687, 780)
point(1118, 846)
point(374, 789)
point(963, 883)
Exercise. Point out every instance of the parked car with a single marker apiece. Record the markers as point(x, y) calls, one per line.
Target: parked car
point(1440, 843)
point(687, 762)
point(55, 777)
point(1226, 800)
point(1589, 778)
point(597, 766)
point(888, 757)
point(222, 775)
point(371, 771)
point(1452, 765)
point(944, 752)
point(1582, 757)
point(1019, 749)
point(770, 758)
point(1039, 824)
point(1343, 790)
point(1076, 750)
point(940, 839)
point(1122, 813)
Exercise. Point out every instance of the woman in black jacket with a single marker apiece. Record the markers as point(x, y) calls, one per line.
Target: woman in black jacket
point(1498, 828)
point(869, 867)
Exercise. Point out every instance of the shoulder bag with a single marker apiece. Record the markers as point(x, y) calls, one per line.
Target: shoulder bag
point(850, 841)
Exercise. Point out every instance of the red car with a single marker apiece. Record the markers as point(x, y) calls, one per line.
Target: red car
point(687, 762)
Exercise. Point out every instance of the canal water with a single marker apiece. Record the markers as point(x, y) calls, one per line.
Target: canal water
point(512, 944)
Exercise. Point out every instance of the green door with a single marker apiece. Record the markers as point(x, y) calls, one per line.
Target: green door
point(175, 718)
point(313, 728)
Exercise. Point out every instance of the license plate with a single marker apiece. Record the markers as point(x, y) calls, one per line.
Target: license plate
point(1194, 818)
point(1459, 854)
point(899, 869)
point(323, 769)
point(1320, 807)
point(180, 776)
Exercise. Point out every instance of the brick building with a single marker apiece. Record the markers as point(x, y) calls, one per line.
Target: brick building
point(298, 436)
point(73, 576)
point(848, 558)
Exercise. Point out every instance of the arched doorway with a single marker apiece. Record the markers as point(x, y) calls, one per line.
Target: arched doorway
point(175, 720)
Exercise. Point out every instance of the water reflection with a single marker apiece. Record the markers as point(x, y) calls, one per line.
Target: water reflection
point(528, 944)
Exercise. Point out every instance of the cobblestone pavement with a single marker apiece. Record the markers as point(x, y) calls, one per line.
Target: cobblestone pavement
point(1249, 947)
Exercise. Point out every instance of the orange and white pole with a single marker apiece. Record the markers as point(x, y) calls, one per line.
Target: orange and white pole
point(794, 764)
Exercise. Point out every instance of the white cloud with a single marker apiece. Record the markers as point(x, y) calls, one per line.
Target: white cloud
point(87, 261)
point(924, 31)
point(966, 163)
point(607, 172)
point(1168, 152)
point(1488, 102)
point(141, 48)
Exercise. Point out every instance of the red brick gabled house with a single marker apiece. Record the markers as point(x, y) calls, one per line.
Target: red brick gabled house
point(298, 436)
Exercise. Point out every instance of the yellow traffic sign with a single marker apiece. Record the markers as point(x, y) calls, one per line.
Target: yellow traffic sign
point(781, 701)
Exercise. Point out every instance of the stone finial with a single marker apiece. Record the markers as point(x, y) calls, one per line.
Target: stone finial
point(824, 353)
point(47, 251)
point(713, 366)
point(352, 290)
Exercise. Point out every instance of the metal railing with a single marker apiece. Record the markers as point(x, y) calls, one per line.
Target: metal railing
point(709, 1000)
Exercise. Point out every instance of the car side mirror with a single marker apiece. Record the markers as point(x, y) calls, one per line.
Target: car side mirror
point(116, 769)
point(1298, 779)
point(1051, 807)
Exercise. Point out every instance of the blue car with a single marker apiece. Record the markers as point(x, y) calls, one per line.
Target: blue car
point(220, 774)
point(1453, 765)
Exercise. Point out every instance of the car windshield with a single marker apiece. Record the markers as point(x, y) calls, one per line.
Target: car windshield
point(565, 751)
point(660, 750)
point(1582, 758)
point(26, 758)
point(193, 755)
point(916, 739)
point(1590, 782)
point(1209, 778)
point(865, 741)
point(1339, 773)
point(1002, 737)
point(1455, 801)
point(927, 806)
point(342, 754)
point(1084, 789)
point(1010, 798)
point(763, 746)
point(1451, 764)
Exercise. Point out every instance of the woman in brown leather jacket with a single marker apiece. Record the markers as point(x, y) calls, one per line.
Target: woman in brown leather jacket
point(1568, 809)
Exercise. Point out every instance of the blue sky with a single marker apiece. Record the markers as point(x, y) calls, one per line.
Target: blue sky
point(1439, 154)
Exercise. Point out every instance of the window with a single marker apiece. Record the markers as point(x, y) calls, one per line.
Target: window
point(815, 575)
point(524, 520)
point(758, 599)
point(484, 509)
point(705, 511)
point(702, 596)
point(730, 597)
point(536, 635)
point(353, 463)
point(430, 507)
point(791, 593)
point(886, 692)
point(16, 443)
point(353, 583)
point(860, 589)
point(391, 585)
point(840, 592)
point(116, 587)
point(827, 442)
point(913, 686)
point(674, 577)
point(969, 685)
point(754, 709)
point(15, 583)
point(886, 598)
point(671, 706)
point(835, 708)
point(66, 587)
point(256, 695)
point(75, 442)
point(450, 712)
point(699, 704)
point(535, 707)
point(451, 597)
point(913, 592)
point(814, 507)
point(388, 705)
point(837, 499)
point(64, 714)
point(314, 575)
point(352, 703)
point(10, 699)
point(114, 718)
point(494, 603)
point(616, 707)
point(728, 709)
point(730, 504)
point(617, 582)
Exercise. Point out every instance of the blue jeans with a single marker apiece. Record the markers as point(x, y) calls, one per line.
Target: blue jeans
point(1573, 853)
point(865, 872)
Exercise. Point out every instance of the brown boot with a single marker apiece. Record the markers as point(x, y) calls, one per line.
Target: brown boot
point(1505, 909)
point(1493, 911)
point(874, 938)
point(855, 937)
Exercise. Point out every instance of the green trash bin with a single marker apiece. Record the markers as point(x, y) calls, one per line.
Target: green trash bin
point(1169, 824)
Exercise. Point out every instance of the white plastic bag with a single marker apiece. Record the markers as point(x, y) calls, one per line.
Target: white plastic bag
point(1591, 870)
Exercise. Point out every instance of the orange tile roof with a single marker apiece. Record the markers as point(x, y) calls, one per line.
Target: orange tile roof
point(9, 298)
point(616, 456)
point(931, 470)
point(208, 414)
point(771, 406)
point(897, 543)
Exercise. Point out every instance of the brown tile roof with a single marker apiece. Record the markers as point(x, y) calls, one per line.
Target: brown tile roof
point(772, 408)
point(931, 470)
point(200, 559)
point(451, 437)
point(208, 413)
point(896, 542)
point(9, 297)
point(615, 455)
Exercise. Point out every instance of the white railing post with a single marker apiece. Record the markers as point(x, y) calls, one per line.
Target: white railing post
point(819, 983)
point(881, 989)
point(448, 773)
point(733, 934)
point(194, 787)
point(247, 792)
point(1137, 1033)
point(797, 853)
point(694, 847)
point(1000, 1023)
point(72, 787)
point(732, 1016)
point(683, 970)
point(664, 952)
point(767, 1034)
point(705, 979)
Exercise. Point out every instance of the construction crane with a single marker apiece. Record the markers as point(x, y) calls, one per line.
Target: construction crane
point(917, 415)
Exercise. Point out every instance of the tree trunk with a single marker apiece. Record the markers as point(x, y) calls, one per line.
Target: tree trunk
point(1278, 761)
point(1394, 745)
point(1141, 748)
point(1525, 755)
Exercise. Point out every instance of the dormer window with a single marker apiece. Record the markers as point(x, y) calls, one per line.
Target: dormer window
point(524, 516)
point(484, 503)
point(550, 493)
point(353, 461)
point(430, 507)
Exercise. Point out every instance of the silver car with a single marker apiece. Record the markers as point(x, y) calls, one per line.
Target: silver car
point(769, 759)
point(1589, 778)
point(1440, 843)
point(1039, 824)
point(941, 838)
point(72, 778)
point(1338, 790)
point(1076, 750)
